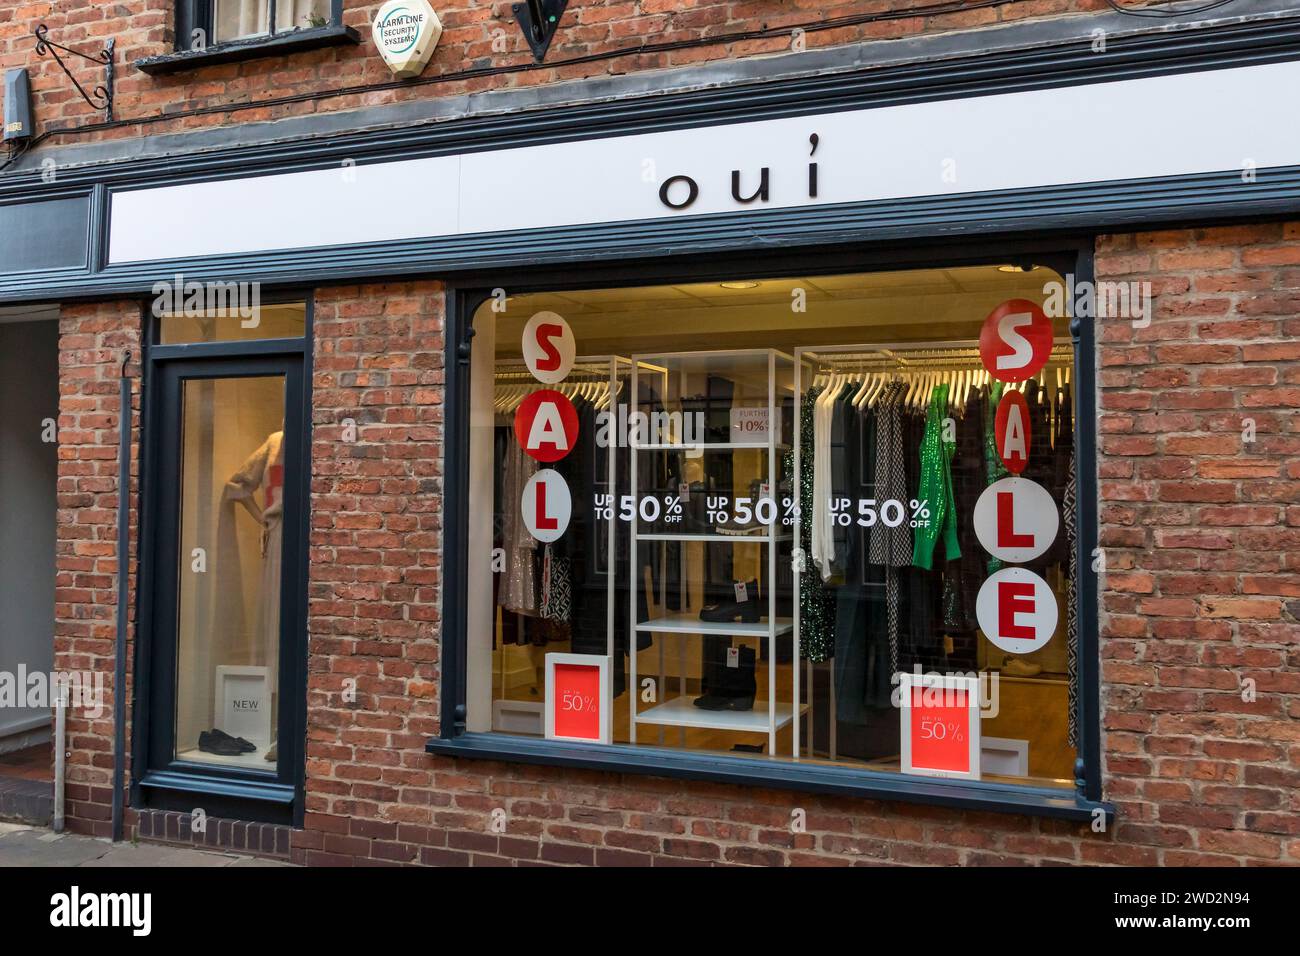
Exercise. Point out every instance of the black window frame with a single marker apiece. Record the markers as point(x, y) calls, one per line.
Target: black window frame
point(194, 15)
point(159, 781)
point(1070, 255)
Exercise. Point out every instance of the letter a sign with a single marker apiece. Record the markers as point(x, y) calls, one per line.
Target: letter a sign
point(546, 425)
point(406, 31)
point(1011, 431)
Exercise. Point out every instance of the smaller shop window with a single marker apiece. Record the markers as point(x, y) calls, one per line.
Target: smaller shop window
point(225, 510)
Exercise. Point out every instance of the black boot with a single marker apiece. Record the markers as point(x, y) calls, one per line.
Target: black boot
point(742, 682)
point(747, 611)
point(713, 654)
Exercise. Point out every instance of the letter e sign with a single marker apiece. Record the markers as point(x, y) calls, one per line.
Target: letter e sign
point(1016, 340)
point(406, 31)
point(1016, 610)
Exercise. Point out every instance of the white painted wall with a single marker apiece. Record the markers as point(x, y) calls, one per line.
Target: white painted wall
point(29, 393)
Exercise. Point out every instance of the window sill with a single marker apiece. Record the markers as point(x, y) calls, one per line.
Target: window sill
point(252, 48)
point(226, 786)
point(226, 797)
point(808, 778)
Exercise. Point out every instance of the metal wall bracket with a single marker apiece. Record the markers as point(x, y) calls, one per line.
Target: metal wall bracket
point(101, 98)
point(539, 19)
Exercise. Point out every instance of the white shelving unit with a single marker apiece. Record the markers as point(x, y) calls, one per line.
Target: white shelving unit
point(769, 715)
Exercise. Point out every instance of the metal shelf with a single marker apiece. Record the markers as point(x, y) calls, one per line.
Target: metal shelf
point(690, 623)
point(682, 712)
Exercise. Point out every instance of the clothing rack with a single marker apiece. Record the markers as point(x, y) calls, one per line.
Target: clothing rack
point(925, 365)
point(592, 377)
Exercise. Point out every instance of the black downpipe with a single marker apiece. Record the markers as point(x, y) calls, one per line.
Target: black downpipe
point(123, 580)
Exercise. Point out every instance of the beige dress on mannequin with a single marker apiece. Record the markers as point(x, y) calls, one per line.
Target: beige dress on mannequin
point(259, 487)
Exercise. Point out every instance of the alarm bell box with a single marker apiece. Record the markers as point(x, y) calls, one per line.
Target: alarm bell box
point(18, 105)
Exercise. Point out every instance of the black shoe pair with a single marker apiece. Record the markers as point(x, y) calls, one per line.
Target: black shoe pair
point(727, 688)
point(216, 741)
point(747, 611)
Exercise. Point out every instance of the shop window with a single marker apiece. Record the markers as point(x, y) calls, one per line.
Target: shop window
point(225, 511)
point(781, 519)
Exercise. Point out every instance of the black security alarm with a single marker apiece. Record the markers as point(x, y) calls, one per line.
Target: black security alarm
point(18, 105)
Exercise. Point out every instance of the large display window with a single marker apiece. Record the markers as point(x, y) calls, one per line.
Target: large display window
point(822, 519)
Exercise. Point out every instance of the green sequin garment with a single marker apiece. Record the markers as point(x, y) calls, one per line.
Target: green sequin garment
point(816, 601)
point(936, 486)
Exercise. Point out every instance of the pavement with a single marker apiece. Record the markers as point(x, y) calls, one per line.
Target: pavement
point(24, 845)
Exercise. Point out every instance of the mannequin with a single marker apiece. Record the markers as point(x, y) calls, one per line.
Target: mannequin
point(259, 487)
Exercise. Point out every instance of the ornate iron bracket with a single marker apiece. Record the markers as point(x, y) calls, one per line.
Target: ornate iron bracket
point(538, 19)
point(101, 98)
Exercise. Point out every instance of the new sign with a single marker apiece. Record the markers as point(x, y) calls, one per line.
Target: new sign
point(406, 31)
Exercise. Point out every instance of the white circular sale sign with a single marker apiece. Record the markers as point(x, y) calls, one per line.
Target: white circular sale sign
point(546, 505)
point(549, 347)
point(1016, 610)
point(1016, 519)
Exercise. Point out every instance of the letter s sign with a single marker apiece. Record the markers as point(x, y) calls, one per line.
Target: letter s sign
point(1016, 340)
point(549, 347)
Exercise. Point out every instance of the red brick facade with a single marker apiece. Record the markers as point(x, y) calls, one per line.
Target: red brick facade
point(1199, 472)
point(92, 339)
point(1201, 592)
point(596, 38)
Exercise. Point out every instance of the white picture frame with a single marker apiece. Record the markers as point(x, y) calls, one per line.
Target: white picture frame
point(243, 703)
point(605, 715)
point(1004, 757)
point(947, 683)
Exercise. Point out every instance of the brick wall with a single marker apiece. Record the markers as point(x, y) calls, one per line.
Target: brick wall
point(374, 595)
point(91, 340)
point(477, 36)
point(1200, 523)
point(1199, 532)
point(1199, 529)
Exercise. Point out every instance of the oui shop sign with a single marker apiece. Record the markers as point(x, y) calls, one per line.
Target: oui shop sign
point(546, 425)
point(1015, 518)
point(406, 31)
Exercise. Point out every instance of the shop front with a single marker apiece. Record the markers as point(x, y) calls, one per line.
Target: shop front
point(810, 471)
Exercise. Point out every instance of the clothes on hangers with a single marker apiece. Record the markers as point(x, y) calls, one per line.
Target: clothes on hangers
point(891, 547)
point(816, 607)
point(935, 488)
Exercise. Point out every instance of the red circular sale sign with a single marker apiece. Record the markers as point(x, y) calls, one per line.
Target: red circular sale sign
point(1011, 431)
point(1016, 340)
point(546, 425)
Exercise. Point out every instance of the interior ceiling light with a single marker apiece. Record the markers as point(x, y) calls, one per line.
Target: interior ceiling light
point(1028, 268)
point(738, 285)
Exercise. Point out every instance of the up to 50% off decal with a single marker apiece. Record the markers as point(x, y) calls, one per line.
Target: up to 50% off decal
point(765, 511)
